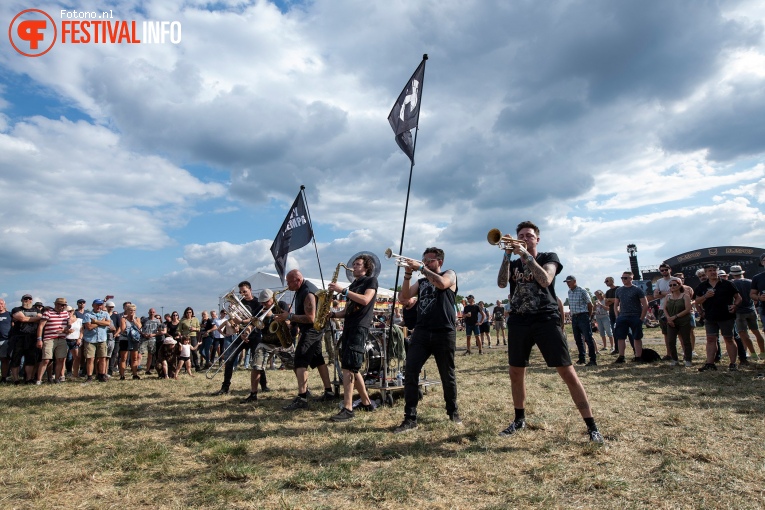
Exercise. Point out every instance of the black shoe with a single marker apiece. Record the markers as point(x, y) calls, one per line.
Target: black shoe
point(343, 415)
point(666, 358)
point(327, 397)
point(222, 391)
point(615, 351)
point(514, 427)
point(298, 403)
point(101, 378)
point(122, 378)
point(251, 398)
point(620, 359)
point(148, 372)
point(265, 390)
point(406, 425)
point(581, 361)
point(732, 367)
point(637, 359)
point(707, 367)
point(592, 363)
point(136, 377)
point(370, 408)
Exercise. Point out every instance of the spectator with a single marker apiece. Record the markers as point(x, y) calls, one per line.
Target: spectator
point(190, 327)
point(471, 314)
point(580, 306)
point(661, 291)
point(130, 341)
point(484, 325)
point(96, 324)
point(5, 340)
point(603, 320)
point(74, 340)
point(746, 316)
point(150, 329)
point(631, 307)
point(51, 338)
point(23, 341)
point(678, 310)
point(719, 298)
point(498, 315)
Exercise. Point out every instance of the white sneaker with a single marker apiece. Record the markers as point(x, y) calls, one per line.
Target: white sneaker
point(688, 364)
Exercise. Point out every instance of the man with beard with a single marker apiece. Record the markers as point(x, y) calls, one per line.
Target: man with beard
point(434, 334)
point(23, 341)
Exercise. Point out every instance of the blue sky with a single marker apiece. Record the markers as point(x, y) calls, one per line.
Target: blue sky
point(161, 173)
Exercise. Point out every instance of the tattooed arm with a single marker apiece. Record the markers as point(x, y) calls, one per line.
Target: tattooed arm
point(504, 272)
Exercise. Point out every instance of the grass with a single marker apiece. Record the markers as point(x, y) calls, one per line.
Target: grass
point(675, 438)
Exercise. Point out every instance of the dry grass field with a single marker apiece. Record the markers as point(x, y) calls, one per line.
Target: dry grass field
point(675, 438)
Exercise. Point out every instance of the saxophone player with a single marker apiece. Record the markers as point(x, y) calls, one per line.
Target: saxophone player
point(308, 350)
point(358, 313)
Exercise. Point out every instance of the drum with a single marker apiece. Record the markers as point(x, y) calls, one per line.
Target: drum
point(373, 355)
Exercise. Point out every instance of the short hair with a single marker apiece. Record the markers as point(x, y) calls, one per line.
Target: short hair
point(628, 273)
point(245, 283)
point(369, 264)
point(699, 272)
point(711, 265)
point(664, 264)
point(438, 252)
point(526, 224)
point(679, 275)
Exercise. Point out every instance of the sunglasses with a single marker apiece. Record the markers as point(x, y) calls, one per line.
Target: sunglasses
point(663, 270)
point(626, 277)
point(674, 285)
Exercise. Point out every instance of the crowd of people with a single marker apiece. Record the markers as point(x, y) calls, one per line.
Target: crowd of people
point(57, 342)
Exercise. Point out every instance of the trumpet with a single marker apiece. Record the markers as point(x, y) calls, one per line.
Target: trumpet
point(503, 241)
point(258, 320)
point(401, 261)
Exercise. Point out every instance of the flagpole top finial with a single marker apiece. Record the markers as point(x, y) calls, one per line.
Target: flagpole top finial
point(424, 56)
point(302, 187)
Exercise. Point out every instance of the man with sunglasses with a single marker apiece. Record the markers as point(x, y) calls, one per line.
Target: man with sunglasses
point(720, 299)
point(631, 307)
point(51, 337)
point(434, 335)
point(23, 341)
point(661, 291)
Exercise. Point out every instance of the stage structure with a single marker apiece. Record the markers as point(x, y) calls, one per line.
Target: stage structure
point(724, 256)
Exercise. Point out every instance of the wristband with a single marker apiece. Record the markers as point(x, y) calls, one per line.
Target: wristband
point(289, 317)
point(407, 278)
point(39, 338)
point(422, 268)
point(345, 292)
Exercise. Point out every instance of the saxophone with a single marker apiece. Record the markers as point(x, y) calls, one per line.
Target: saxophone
point(324, 302)
point(280, 329)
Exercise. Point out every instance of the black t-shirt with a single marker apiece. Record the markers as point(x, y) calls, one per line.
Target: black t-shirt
point(528, 297)
point(300, 295)
point(435, 307)
point(611, 294)
point(24, 328)
point(5, 325)
point(355, 314)
point(410, 317)
point(758, 284)
point(716, 307)
point(254, 306)
point(499, 313)
point(474, 312)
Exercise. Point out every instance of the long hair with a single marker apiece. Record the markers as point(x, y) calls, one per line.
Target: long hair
point(369, 264)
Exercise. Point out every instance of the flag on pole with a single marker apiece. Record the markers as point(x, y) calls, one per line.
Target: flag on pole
point(405, 113)
point(295, 233)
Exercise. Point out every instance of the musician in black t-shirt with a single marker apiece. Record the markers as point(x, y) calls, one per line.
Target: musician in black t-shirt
point(534, 318)
point(308, 349)
point(434, 335)
point(358, 312)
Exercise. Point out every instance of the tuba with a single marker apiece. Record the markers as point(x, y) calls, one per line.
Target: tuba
point(324, 302)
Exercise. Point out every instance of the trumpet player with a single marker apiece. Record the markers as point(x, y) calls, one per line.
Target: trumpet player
point(434, 334)
point(533, 318)
point(308, 350)
point(358, 313)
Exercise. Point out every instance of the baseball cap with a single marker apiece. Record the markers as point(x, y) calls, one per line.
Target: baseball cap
point(26, 296)
point(98, 301)
point(736, 270)
point(265, 295)
point(570, 278)
point(110, 304)
point(81, 301)
point(470, 296)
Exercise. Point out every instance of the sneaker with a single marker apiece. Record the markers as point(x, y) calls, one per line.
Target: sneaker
point(466, 353)
point(406, 425)
point(148, 372)
point(222, 391)
point(122, 378)
point(744, 362)
point(38, 383)
point(615, 351)
point(688, 364)
point(637, 359)
point(708, 366)
point(370, 408)
point(620, 359)
point(298, 403)
point(673, 363)
point(514, 427)
point(732, 367)
point(666, 358)
point(136, 377)
point(62, 379)
point(265, 390)
point(592, 363)
point(581, 361)
point(101, 378)
point(455, 418)
point(343, 415)
point(596, 437)
point(327, 397)
point(252, 397)
point(87, 381)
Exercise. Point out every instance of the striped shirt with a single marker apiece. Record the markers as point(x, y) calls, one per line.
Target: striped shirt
point(55, 322)
point(578, 298)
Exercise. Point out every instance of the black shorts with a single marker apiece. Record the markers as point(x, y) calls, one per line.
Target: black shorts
point(544, 332)
point(129, 345)
point(485, 327)
point(25, 345)
point(354, 345)
point(308, 350)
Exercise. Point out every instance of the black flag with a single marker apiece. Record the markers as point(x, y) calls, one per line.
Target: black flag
point(405, 113)
point(295, 233)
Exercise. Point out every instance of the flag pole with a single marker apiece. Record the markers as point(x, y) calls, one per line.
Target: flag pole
point(313, 234)
point(403, 232)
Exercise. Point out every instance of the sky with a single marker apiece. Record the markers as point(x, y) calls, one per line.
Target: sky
point(161, 173)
